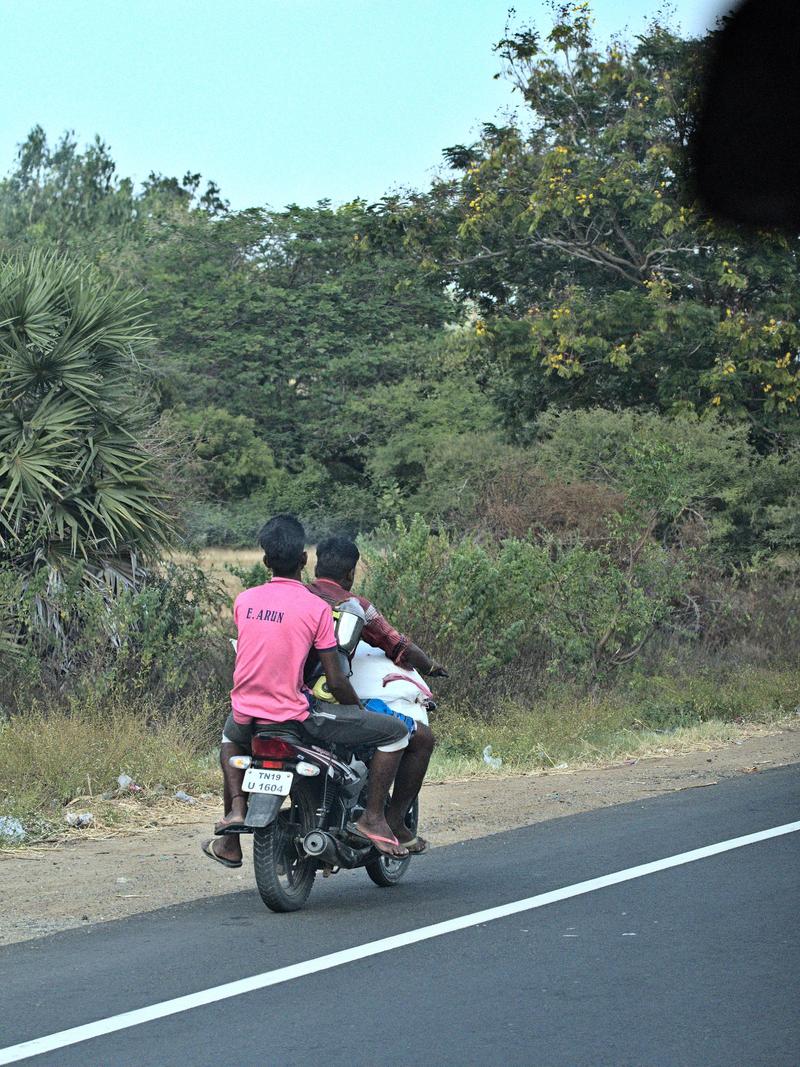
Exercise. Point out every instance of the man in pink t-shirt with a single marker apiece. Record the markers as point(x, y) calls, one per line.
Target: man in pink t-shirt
point(278, 624)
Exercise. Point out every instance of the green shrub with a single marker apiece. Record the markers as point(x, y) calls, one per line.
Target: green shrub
point(514, 611)
point(233, 460)
point(257, 574)
point(699, 476)
point(768, 517)
point(77, 642)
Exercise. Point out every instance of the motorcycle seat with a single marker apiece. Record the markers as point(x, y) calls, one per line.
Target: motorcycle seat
point(294, 732)
point(286, 731)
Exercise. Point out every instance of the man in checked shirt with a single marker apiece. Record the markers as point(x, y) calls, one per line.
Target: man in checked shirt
point(335, 572)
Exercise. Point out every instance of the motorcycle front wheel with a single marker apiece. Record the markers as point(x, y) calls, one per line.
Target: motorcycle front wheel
point(385, 871)
point(284, 874)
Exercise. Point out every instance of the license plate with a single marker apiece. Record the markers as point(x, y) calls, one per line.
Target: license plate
point(257, 780)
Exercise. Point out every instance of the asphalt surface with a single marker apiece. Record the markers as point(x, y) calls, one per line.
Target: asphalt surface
point(696, 965)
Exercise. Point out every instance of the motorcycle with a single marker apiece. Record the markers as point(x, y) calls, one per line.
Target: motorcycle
point(301, 796)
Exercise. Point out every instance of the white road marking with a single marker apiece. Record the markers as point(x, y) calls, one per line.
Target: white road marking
point(39, 1045)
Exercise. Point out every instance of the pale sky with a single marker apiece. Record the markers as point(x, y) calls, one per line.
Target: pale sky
point(276, 100)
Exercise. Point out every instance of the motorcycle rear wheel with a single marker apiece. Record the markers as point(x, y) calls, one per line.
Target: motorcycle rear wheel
point(385, 871)
point(284, 874)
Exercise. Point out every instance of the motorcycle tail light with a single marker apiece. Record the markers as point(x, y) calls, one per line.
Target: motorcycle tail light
point(242, 762)
point(272, 748)
point(309, 770)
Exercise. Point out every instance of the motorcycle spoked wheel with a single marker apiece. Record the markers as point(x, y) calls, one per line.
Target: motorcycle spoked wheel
point(284, 874)
point(385, 871)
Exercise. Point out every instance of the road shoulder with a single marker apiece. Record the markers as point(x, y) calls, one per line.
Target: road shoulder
point(50, 889)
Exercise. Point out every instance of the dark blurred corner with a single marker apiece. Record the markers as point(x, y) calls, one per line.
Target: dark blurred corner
point(746, 151)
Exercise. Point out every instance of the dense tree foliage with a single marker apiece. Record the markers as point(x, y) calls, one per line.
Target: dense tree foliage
point(596, 277)
point(559, 399)
point(360, 361)
point(280, 316)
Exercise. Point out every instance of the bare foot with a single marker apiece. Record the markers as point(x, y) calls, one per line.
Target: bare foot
point(229, 824)
point(382, 836)
point(401, 832)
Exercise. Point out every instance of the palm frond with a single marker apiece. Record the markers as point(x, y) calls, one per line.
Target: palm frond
point(73, 466)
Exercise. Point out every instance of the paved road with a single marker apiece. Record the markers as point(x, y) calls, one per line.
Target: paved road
point(694, 965)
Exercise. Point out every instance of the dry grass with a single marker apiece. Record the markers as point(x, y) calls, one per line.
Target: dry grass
point(51, 763)
point(667, 716)
point(215, 562)
point(625, 745)
point(164, 762)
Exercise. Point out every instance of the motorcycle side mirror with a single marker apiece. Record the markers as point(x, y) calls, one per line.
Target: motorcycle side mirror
point(349, 622)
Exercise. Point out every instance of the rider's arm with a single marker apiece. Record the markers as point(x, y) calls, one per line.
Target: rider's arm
point(413, 656)
point(380, 633)
point(337, 681)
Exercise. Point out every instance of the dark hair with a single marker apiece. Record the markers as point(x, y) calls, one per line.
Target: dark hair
point(336, 556)
point(283, 540)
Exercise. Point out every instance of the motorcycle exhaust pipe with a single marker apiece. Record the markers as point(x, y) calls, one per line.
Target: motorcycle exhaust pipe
point(326, 849)
point(352, 857)
point(322, 847)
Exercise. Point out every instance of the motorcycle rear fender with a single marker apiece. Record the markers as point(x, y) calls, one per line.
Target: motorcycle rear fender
point(262, 809)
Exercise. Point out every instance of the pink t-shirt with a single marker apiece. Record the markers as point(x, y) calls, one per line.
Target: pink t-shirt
point(278, 623)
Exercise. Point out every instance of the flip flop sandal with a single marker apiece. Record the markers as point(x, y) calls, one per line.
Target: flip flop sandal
point(232, 828)
point(356, 831)
point(416, 846)
point(208, 849)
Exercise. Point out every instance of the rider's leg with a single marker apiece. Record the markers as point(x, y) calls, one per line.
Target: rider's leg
point(235, 803)
point(382, 770)
point(353, 726)
point(233, 778)
point(234, 743)
point(408, 781)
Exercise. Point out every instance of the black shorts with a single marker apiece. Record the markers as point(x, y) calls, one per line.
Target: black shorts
point(341, 724)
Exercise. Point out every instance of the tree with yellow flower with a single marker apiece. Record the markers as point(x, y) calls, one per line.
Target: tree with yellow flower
point(575, 231)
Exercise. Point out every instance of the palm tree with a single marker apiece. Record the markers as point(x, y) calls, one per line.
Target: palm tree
point(77, 480)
